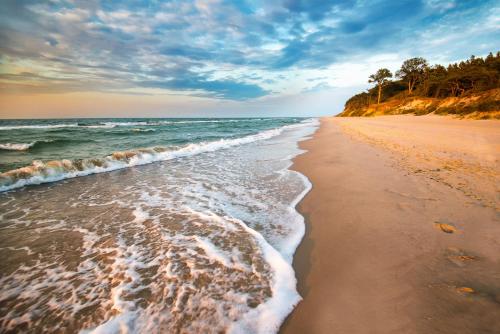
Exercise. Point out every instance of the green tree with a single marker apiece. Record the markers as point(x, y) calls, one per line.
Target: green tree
point(437, 80)
point(412, 71)
point(381, 78)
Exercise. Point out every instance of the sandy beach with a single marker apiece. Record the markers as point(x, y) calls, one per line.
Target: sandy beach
point(403, 228)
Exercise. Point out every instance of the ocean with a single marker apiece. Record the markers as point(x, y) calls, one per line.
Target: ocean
point(149, 225)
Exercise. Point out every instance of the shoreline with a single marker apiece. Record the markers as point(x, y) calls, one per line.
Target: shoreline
point(372, 258)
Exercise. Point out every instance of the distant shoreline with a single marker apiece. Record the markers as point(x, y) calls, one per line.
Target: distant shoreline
point(402, 227)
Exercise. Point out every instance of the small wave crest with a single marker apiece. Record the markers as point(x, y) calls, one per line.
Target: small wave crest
point(16, 146)
point(109, 125)
point(48, 126)
point(43, 172)
point(22, 146)
point(99, 125)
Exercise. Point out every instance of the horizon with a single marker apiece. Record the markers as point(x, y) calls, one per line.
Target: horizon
point(220, 59)
point(166, 117)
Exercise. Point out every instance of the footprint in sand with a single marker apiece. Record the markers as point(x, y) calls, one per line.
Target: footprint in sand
point(459, 257)
point(447, 228)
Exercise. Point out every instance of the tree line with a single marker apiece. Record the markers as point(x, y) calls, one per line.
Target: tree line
point(417, 78)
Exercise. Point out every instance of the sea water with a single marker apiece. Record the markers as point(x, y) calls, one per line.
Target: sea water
point(149, 225)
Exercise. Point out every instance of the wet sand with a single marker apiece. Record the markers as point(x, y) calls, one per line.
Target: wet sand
point(403, 227)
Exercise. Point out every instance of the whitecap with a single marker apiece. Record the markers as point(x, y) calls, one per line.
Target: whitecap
point(16, 146)
point(48, 126)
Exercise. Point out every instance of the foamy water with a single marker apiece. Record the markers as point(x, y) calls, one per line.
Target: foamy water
point(197, 239)
point(40, 172)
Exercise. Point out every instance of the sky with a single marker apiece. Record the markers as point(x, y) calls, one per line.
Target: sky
point(220, 58)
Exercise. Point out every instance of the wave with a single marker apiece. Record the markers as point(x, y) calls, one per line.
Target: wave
point(270, 313)
point(43, 172)
point(108, 125)
point(98, 126)
point(207, 216)
point(48, 126)
point(125, 123)
point(16, 146)
point(22, 146)
point(159, 123)
point(210, 121)
point(265, 318)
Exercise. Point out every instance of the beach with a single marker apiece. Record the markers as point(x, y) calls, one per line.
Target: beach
point(192, 225)
point(402, 227)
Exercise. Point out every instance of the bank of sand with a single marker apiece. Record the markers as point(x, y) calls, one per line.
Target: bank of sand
point(403, 228)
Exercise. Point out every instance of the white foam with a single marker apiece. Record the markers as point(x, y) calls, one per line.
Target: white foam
point(140, 215)
point(113, 124)
point(99, 126)
point(213, 121)
point(49, 126)
point(268, 316)
point(265, 318)
point(295, 236)
point(122, 324)
point(21, 146)
point(213, 253)
point(16, 146)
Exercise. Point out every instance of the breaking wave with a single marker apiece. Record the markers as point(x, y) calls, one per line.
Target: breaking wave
point(116, 124)
point(16, 146)
point(22, 146)
point(51, 171)
point(48, 126)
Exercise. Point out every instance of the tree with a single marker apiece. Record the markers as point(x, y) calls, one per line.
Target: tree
point(436, 80)
point(381, 79)
point(412, 71)
point(471, 76)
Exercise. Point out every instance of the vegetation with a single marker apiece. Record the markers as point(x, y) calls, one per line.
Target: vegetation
point(381, 78)
point(413, 71)
point(416, 79)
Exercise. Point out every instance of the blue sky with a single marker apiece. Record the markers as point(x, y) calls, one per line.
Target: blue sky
point(226, 58)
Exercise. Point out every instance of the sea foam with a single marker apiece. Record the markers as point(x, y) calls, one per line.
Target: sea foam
point(16, 146)
point(48, 126)
point(22, 146)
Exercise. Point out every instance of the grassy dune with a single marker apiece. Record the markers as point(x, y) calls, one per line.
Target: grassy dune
point(484, 105)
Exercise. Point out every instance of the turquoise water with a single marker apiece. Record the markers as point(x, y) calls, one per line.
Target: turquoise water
point(23, 141)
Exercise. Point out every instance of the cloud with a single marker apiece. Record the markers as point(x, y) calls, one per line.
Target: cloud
point(229, 50)
point(218, 88)
point(317, 9)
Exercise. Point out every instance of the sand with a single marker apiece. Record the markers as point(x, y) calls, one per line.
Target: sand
point(402, 227)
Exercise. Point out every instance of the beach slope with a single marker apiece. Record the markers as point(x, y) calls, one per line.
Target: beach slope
point(403, 229)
